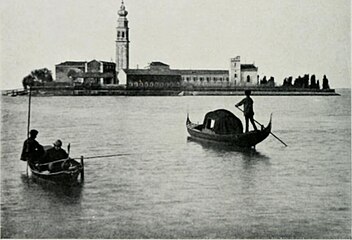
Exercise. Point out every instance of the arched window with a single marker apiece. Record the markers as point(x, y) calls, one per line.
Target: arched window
point(248, 78)
point(123, 34)
point(118, 34)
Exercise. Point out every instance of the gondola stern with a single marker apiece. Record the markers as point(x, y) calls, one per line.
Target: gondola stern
point(270, 122)
point(187, 120)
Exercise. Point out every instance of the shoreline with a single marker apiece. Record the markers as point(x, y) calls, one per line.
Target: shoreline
point(70, 91)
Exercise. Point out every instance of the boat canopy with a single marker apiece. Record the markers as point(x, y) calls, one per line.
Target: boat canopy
point(222, 121)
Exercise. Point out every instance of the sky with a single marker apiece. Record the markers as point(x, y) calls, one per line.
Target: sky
point(281, 37)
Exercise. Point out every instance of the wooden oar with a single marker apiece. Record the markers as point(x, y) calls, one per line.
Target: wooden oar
point(29, 121)
point(262, 125)
point(101, 156)
point(111, 155)
point(61, 160)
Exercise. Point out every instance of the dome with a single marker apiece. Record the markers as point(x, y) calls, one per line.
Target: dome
point(122, 12)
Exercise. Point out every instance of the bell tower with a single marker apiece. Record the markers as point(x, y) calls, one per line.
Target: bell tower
point(122, 40)
point(235, 71)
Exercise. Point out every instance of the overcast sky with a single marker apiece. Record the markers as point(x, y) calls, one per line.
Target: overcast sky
point(282, 37)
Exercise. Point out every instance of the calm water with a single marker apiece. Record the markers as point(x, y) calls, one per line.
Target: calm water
point(169, 187)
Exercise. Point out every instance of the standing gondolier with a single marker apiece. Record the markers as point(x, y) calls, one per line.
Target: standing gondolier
point(32, 150)
point(247, 103)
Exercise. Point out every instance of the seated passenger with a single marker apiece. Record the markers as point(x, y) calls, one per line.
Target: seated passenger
point(54, 154)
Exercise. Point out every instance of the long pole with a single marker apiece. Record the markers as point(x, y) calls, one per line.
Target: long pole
point(29, 110)
point(270, 131)
point(111, 155)
point(29, 119)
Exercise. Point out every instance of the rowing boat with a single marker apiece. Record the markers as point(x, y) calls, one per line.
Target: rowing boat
point(63, 171)
point(223, 127)
point(64, 176)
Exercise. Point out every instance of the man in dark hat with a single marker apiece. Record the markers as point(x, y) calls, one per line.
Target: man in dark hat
point(56, 153)
point(32, 151)
point(247, 103)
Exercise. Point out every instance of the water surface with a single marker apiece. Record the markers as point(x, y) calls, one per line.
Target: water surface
point(170, 187)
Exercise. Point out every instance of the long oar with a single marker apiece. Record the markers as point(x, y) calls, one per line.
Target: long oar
point(270, 131)
point(29, 120)
point(105, 156)
point(90, 157)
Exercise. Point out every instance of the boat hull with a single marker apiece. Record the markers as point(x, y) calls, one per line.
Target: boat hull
point(66, 177)
point(244, 140)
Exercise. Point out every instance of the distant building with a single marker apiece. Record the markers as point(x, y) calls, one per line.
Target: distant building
point(238, 75)
point(204, 78)
point(122, 40)
point(64, 71)
point(157, 76)
point(93, 72)
point(243, 74)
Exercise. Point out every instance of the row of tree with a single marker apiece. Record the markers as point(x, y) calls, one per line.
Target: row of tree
point(269, 83)
point(304, 82)
point(37, 77)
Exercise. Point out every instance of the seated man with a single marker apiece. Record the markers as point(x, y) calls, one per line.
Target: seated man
point(54, 154)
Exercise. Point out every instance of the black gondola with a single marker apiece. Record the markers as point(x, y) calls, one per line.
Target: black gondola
point(223, 127)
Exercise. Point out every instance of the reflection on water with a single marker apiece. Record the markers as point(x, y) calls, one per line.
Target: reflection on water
point(249, 154)
point(34, 186)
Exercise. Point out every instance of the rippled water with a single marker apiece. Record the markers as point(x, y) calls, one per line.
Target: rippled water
point(170, 187)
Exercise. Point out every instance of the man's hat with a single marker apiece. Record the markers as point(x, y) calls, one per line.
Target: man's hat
point(33, 132)
point(247, 92)
point(58, 143)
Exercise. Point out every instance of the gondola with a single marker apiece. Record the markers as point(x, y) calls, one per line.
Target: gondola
point(64, 171)
point(223, 127)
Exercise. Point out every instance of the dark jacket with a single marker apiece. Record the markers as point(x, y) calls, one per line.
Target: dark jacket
point(53, 154)
point(247, 103)
point(31, 150)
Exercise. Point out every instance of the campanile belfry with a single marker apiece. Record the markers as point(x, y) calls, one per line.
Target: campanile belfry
point(122, 40)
